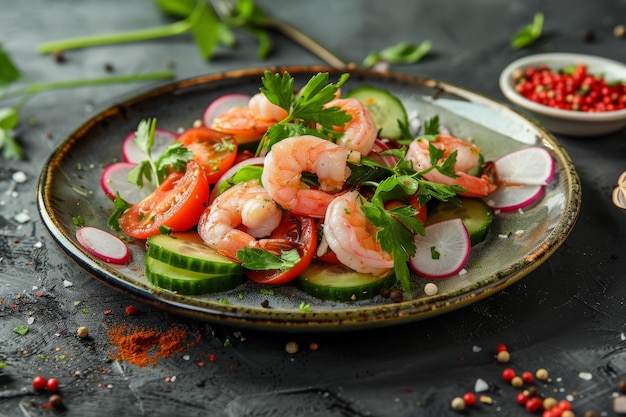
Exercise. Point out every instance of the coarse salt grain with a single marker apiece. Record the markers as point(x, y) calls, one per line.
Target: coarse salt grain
point(463, 271)
point(67, 283)
point(30, 320)
point(22, 217)
point(430, 289)
point(585, 375)
point(481, 385)
point(503, 236)
point(519, 233)
point(476, 349)
point(19, 177)
point(38, 245)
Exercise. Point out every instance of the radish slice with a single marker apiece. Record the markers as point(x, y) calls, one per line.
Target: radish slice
point(222, 105)
point(527, 166)
point(103, 245)
point(114, 179)
point(443, 250)
point(259, 160)
point(162, 139)
point(510, 198)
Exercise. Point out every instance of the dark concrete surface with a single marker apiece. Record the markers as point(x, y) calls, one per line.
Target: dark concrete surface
point(567, 316)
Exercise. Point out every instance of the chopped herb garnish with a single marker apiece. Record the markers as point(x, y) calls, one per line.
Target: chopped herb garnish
point(119, 207)
point(304, 307)
point(262, 260)
point(401, 53)
point(529, 33)
point(22, 330)
point(434, 253)
point(78, 221)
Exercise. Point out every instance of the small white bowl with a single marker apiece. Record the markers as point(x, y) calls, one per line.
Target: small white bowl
point(567, 122)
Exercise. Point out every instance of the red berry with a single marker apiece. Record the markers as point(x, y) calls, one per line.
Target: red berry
point(501, 347)
point(564, 405)
point(131, 310)
point(39, 383)
point(469, 399)
point(527, 377)
point(508, 374)
point(521, 398)
point(52, 384)
point(534, 404)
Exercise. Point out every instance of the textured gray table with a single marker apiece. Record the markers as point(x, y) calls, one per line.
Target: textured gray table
point(567, 316)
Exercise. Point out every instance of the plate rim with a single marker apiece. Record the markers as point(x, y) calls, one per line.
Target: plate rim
point(332, 320)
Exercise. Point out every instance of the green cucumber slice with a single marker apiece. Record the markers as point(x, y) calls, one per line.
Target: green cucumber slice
point(385, 108)
point(339, 283)
point(184, 281)
point(474, 212)
point(186, 250)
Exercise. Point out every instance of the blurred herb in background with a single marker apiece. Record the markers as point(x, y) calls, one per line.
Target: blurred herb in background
point(13, 85)
point(529, 33)
point(401, 53)
point(198, 18)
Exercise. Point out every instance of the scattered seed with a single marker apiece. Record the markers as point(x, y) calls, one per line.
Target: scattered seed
point(485, 399)
point(542, 374)
point(82, 332)
point(56, 400)
point(517, 381)
point(549, 402)
point(622, 386)
point(619, 31)
point(265, 303)
point(313, 346)
point(291, 347)
point(503, 356)
point(396, 296)
point(457, 404)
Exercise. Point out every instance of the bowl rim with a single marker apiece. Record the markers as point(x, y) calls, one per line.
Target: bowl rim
point(560, 59)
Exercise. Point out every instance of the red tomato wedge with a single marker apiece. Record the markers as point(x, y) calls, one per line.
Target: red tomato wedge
point(298, 229)
point(177, 203)
point(214, 151)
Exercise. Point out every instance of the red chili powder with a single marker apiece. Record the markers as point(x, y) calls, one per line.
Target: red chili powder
point(142, 346)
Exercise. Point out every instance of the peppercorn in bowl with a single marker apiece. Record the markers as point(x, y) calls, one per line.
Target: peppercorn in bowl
point(569, 94)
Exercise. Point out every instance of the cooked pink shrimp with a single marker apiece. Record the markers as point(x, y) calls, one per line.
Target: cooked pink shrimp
point(360, 132)
point(262, 109)
point(467, 158)
point(245, 204)
point(352, 236)
point(289, 158)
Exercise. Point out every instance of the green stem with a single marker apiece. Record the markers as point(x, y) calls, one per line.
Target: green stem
point(35, 88)
point(172, 29)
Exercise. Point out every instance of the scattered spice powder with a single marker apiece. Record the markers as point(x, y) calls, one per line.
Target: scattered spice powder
point(142, 346)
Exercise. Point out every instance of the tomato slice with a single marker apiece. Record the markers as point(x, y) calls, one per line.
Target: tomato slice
point(298, 229)
point(239, 122)
point(214, 151)
point(177, 203)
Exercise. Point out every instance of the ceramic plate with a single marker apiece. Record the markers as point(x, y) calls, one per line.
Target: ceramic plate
point(69, 186)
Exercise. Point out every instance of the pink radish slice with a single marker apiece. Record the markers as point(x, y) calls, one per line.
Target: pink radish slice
point(513, 197)
point(162, 139)
point(443, 250)
point(222, 104)
point(103, 245)
point(527, 166)
point(114, 179)
point(232, 171)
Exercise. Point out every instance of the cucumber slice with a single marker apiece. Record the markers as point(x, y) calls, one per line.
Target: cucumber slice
point(186, 250)
point(385, 108)
point(339, 283)
point(474, 212)
point(184, 281)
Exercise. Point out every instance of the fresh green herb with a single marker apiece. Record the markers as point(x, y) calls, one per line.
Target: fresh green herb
point(208, 29)
point(21, 330)
point(401, 53)
point(77, 303)
point(78, 221)
point(304, 307)
point(2, 365)
point(224, 301)
point(165, 230)
point(119, 207)
point(14, 86)
point(529, 33)
point(175, 156)
point(267, 291)
point(434, 253)
point(305, 110)
point(85, 310)
point(262, 260)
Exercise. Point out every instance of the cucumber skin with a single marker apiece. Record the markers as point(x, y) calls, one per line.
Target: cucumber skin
point(186, 282)
point(343, 294)
point(385, 115)
point(206, 260)
point(475, 214)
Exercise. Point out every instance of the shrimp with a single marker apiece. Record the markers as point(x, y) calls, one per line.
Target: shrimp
point(289, 158)
point(360, 133)
point(467, 158)
point(262, 109)
point(352, 236)
point(245, 204)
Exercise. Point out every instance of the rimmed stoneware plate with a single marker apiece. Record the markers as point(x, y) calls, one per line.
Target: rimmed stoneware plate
point(69, 186)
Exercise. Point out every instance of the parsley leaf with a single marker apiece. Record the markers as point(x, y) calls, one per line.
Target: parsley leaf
point(262, 260)
point(529, 33)
point(119, 207)
point(305, 110)
point(401, 53)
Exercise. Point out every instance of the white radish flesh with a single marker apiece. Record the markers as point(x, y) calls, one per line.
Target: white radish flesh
point(103, 245)
point(222, 104)
point(527, 166)
point(114, 179)
point(162, 139)
point(510, 198)
point(443, 251)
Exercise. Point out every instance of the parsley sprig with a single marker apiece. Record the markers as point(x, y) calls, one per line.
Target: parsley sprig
point(304, 110)
point(263, 260)
point(174, 157)
point(528, 34)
